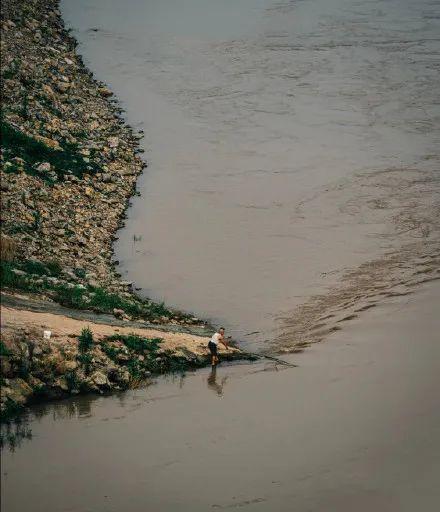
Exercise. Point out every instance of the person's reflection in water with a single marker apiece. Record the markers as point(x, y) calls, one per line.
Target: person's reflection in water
point(213, 384)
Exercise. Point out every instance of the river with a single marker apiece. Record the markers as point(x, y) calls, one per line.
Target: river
point(355, 427)
point(292, 193)
point(287, 142)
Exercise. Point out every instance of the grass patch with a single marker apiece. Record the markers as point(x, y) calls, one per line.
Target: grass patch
point(136, 343)
point(77, 297)
point(102, 301)
point(49, 268)
point(142, 356)
point(11, 279)
point(71, 297)
point(18, 227)
point(62, 161)
point(152, 361)
point(110, 351)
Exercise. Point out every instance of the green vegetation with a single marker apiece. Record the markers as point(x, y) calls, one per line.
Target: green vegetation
point(12, 71)
point(65, 160)
point(110, 351)
point(72, 380)
point(143, 357)
point(85, 343)
point(136, 370)
point(10, 272)
point(80, 272)
point(74, 296)
point(49, 268)
point(3, 350)
point(85, 359)
point(85, 340)
point(139, 355)
point(41, 391)
point(136, 343)
point(18, 227)
point(102, 301)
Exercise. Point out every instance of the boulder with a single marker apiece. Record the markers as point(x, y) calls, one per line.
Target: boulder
point(62, 86)
point(105, 92)
point(99, 379)
point(17, 390)
point(61, 384)
point(43, 167)
point(113, 142)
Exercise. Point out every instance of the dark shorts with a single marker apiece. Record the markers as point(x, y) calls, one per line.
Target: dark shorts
point(212, 348)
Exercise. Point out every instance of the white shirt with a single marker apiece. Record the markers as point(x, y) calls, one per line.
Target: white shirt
point(216, 338)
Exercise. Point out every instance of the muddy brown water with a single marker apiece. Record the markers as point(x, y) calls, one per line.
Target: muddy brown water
point(287, 142)
point(355, 427)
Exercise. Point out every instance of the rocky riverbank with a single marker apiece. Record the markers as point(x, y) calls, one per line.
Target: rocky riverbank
point(79, 356)
point(69, 167)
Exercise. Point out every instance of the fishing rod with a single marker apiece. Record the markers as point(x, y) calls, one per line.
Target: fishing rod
point(272, 358)
point(262, 356)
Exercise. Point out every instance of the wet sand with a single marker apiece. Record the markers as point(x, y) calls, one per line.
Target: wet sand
point(355, 427)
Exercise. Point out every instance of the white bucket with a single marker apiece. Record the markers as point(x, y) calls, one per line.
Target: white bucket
point(47, 335)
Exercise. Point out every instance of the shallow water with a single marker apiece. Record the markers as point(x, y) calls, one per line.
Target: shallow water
point(287, 141)
point(355, 427)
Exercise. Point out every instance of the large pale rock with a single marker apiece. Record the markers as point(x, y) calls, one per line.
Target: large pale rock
point(105, 92)
point(99, 379)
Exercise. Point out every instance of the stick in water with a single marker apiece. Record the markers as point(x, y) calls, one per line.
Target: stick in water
point(263, 356)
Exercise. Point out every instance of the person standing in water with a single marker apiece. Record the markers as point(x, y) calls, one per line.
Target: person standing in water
point(218, 337)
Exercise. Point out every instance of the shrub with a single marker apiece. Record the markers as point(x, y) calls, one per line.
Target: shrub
point(158, 309)
point(135, 369)
point(85, 360)
point(12, 280)
point(72, 380)
point(54, 268)
point(70, 297)
point(105, 302)
point(85, 340)
point(8, 278)
point(34, 267)
point(80, 272)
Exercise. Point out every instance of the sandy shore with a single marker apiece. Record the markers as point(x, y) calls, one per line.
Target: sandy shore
point(64, 328)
